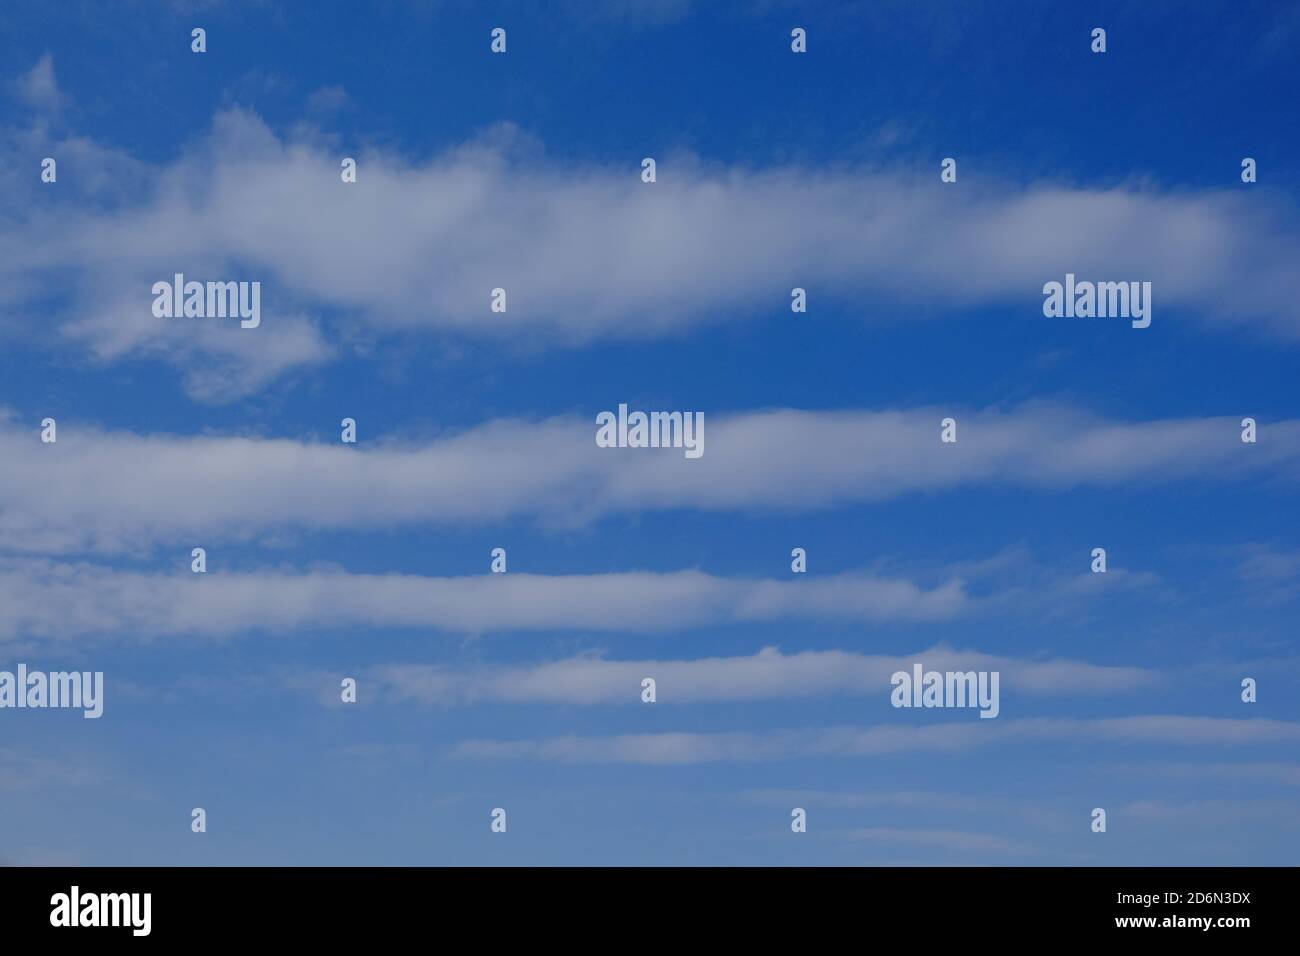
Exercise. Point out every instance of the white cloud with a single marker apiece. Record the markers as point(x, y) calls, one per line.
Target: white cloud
point(880, 740)
point(767, 675)
point(1214, 814)
point(329, 99)
point(41, 598)
point(592, 253)
point(1258, 772)
point(107, 490)
point(39, 88)
point(1271, 572)
point(943, 839)
point(24, 771)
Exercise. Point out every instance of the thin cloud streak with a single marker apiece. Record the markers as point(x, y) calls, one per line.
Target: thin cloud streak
point(42, 598)
point(97, 490)
point(882, 740)
point(766, 675)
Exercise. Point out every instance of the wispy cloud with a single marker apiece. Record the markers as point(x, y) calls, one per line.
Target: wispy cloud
point(39, 88)
point(766, 675)
point(27, 771)
point(590, 252)
point(942, 839)
point(1272, 572)
point(1248, 772)
point(110, 490)
point(692, 748)
point(43, 598)
point(1214, 813)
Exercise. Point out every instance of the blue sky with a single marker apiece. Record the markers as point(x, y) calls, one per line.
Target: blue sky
point(774, 170)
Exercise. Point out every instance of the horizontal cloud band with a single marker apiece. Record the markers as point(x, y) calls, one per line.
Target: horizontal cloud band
point(585, 252)
point(767, 675)
point(881, 740)
point(109, 490)
point(41, 598)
